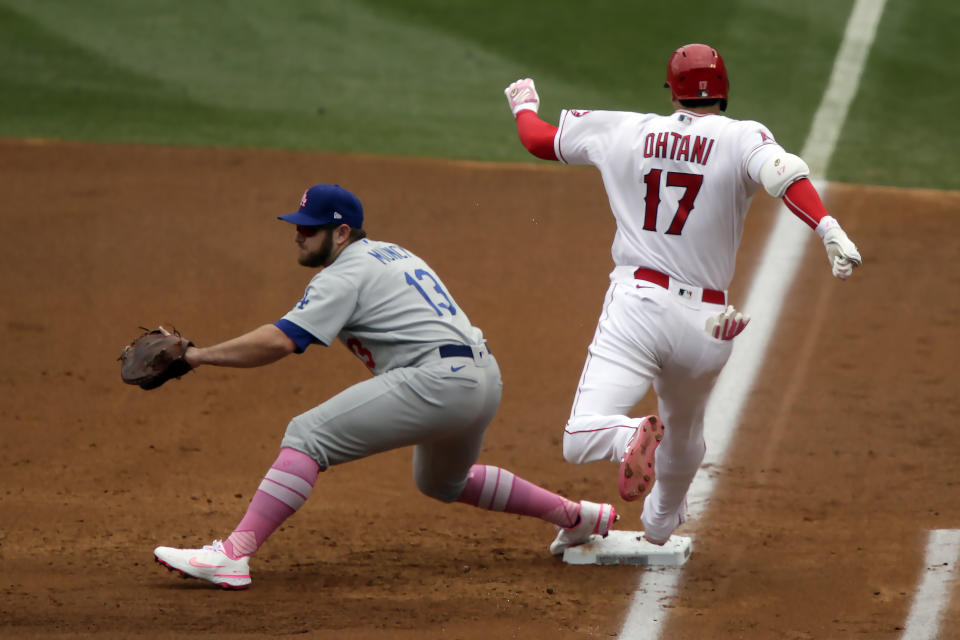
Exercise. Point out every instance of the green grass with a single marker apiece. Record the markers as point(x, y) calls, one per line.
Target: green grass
point(902, 130)
point(425, 77)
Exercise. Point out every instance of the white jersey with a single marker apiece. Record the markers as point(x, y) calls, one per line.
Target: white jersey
point(679, 185)
point(385, 304)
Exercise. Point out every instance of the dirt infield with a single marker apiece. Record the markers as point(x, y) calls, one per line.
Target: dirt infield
point(845, 459)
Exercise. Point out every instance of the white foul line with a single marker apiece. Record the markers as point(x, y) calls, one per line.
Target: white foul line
point(781, 257)
point(943, 551)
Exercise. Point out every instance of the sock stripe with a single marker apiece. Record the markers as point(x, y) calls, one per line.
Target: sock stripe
point(489, 486)
point(285, 495)
point(290, 481)
point(504, 489)
point(497, 487)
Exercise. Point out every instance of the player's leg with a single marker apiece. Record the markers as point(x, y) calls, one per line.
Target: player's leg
point(444, 465)
point(375, 415)
point(445, 469)
point(283, 490)
point(281, 493)
point(621, 363)
point(682, 389)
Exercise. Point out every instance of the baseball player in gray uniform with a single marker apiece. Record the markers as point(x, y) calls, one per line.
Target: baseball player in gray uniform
point(435, 387)
point(679, 187)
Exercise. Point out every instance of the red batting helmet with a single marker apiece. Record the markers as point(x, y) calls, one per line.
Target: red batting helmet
point(695, 72)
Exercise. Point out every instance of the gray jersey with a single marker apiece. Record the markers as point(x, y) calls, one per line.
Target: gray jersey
point(385, 304)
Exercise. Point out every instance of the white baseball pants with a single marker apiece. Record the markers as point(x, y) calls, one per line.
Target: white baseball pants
point(648, 334)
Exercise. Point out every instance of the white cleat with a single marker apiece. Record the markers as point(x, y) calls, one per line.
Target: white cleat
point(594, 519)
point(210, 563)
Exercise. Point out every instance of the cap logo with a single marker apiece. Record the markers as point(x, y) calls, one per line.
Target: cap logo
point(337, 216)
point(303, 200)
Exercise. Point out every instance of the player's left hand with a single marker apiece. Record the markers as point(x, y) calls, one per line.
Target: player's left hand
point(521, 95)
point(728, 325)
point(841, 252)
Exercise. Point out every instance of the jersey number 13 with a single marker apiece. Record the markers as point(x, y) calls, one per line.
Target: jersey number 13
point(442, 302)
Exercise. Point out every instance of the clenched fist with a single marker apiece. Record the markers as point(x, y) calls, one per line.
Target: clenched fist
point(841, 252)
point(521, 95)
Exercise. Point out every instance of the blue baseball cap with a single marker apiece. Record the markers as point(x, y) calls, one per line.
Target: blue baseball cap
point(326, 204)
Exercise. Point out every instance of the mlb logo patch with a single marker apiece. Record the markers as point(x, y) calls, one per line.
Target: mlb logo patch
point(685, 293)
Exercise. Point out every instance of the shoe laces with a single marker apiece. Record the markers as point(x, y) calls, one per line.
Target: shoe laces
point(216, 545)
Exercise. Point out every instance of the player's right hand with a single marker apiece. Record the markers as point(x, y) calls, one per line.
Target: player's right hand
point(521, 95)
point(728, 325)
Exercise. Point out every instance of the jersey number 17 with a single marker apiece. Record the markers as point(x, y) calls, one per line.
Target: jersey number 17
point(689, 182)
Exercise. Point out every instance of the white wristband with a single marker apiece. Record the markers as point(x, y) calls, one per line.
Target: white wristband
point(826, 223)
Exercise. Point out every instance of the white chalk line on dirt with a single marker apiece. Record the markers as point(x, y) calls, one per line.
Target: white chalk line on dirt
point(782, 254)
point(933, 593)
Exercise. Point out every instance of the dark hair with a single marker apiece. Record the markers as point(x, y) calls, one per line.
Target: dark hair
point(355, 234)
point(705, 102)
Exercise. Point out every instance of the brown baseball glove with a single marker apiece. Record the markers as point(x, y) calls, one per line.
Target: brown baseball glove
point(153, 358)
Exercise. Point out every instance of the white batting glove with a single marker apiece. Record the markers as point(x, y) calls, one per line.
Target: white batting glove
point(841, 252)
point(728, 325)
point(521, 95)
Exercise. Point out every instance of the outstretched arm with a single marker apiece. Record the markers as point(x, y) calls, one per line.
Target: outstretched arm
point(535, 134)
point(261, 346)
point(784, 175)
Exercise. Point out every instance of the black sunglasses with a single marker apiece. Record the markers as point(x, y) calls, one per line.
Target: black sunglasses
point(310, 231)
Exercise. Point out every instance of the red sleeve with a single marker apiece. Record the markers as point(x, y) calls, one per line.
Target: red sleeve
point(802, 198)
point(536, 135)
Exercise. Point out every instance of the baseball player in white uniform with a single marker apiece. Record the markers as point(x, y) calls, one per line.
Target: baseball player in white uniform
point(435, 387)
point(679, 187)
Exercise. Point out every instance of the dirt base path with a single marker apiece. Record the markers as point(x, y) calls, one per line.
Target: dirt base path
point(845, 458)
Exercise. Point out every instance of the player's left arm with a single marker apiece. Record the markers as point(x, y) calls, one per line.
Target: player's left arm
point(786, 176)
point(256, 348)
point(535, 134)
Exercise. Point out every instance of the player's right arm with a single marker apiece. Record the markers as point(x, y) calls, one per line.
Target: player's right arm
point(535, 134)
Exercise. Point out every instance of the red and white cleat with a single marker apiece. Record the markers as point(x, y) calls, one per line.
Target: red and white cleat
point(636, 466)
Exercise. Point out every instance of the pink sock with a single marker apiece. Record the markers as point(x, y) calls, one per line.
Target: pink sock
point(283, 490)
point(497, 489)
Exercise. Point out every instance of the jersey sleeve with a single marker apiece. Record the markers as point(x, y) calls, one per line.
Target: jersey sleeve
point(325, 308)
point(300, 337)
point(756, 145)
point(584, 137)
point(581, 136)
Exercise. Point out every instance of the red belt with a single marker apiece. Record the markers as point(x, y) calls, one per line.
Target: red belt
point(711, 296)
